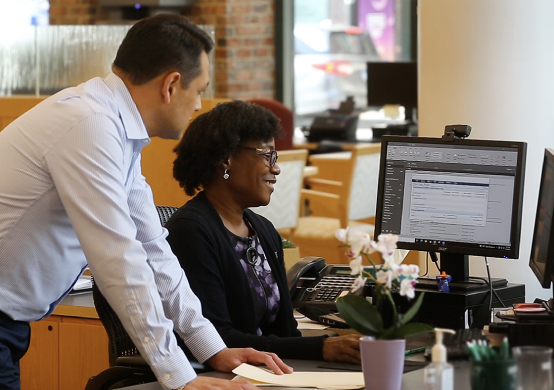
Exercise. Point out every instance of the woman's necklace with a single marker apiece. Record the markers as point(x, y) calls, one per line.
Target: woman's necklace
point(251, 253)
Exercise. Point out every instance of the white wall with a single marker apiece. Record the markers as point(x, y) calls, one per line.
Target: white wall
point(490, 64)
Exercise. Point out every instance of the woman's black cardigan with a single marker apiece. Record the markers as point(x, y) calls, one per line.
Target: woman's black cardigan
point(202, 244)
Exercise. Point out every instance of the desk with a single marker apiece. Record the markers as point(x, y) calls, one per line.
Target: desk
point(410, 381)
point(456, 309)
point(66, 348)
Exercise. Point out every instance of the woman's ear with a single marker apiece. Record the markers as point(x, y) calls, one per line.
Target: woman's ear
point(226, 164)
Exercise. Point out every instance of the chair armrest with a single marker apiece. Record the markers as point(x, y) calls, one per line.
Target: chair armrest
point(135, 361)
point(322, 204)
point(324, 185)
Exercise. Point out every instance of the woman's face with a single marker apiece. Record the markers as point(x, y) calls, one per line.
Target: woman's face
point(251, 177)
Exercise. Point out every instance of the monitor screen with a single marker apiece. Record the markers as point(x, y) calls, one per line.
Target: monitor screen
point(458, 198)
point(542, 248)
point(392, 83)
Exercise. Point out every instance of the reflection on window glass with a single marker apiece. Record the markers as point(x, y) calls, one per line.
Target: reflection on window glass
point(15, 13)
point(333, 41)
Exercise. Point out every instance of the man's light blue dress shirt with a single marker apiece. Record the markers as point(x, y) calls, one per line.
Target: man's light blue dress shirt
point(72, 193)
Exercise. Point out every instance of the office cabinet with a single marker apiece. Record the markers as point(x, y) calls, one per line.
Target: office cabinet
point(39, 367)
point(64, 353)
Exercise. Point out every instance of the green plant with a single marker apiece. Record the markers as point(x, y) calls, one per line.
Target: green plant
point(287, 243)
point(367, 317)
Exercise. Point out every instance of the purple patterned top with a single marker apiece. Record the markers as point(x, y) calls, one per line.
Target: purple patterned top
point(265, 291)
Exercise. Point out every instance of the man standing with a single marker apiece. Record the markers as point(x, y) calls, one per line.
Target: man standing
point(72, 194)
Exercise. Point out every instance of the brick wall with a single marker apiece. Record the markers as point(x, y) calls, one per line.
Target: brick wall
point(244, 33)
point(245, 53)
point(76, 12)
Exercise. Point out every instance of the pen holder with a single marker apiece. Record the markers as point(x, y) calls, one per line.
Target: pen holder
point(494, 375)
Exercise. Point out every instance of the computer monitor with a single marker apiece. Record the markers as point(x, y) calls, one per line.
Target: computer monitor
point(542, 248)
point(393, 83)
point(459, 197)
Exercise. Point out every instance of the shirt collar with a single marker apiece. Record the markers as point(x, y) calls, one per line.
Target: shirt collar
point(128, 111)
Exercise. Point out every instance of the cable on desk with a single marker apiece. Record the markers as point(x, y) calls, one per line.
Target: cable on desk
point(489, 282)
point(426, 265)
point(434, 259)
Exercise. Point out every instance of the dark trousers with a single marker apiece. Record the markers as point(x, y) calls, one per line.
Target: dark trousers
point(14, 342)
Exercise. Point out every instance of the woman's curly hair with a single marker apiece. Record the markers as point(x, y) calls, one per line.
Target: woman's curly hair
point(214, 136)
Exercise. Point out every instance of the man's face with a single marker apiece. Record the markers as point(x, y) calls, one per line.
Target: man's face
point(184, 102)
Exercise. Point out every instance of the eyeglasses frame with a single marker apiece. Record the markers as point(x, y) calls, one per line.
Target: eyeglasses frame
point(270, 154)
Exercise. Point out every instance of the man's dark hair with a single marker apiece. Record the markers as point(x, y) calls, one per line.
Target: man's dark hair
point(214, 136)
point(162, 43)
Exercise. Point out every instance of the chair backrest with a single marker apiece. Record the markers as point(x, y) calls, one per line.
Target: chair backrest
point(284, 208)
point(119, 342)
point(165, 212)
point(362, 201)
point(352, 175)
point(286, 116)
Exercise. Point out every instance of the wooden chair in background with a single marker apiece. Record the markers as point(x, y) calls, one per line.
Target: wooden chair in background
point(334, 204)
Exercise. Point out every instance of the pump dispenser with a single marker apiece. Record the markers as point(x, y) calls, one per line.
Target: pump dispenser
point(439, 374)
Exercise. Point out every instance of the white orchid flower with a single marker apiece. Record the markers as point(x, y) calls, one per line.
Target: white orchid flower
point(386, 244)
point(356, 266)
point(341, 234)
point(360, 243)
point(385, 278)
point(358, 283)
point(391, 271)
point(389, 240)
point(407, 288)
point(409, 271)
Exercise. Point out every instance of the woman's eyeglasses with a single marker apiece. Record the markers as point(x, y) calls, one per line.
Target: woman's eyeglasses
point(270, 154)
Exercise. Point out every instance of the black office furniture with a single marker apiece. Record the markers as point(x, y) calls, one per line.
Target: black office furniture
point(461, 309)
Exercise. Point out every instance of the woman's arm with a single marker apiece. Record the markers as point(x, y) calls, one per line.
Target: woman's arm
point(217, 278)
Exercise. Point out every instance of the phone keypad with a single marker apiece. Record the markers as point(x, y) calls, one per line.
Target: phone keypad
point(331, 287)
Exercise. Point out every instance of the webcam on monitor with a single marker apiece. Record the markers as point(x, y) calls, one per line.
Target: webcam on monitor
point(452, 132)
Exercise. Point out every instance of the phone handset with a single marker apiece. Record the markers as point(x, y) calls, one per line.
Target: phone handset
point(310, 265)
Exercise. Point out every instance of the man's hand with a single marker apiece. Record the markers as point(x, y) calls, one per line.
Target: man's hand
point(209, 383)
point(342, 349)
point(230, 358)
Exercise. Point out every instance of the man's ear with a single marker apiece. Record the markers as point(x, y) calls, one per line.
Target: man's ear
point(169, 86)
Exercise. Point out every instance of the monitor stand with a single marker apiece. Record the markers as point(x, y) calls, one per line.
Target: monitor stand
point(457, 266)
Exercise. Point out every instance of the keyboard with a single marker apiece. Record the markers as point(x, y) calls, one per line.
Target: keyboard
point(456, 344)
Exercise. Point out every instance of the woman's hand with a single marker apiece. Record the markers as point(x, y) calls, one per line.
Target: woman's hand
point(230, 358)
point(342, 349)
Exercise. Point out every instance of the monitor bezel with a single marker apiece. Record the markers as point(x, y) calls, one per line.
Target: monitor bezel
point(517, 205)
point(545, 275)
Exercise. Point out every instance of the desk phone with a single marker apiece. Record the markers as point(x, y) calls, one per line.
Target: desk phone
point(315, 286)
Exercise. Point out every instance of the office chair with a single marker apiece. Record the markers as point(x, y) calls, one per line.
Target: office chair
point(286, 116)
point(127, 367)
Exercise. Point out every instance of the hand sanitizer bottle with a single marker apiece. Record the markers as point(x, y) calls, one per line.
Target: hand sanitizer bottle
point(439, 374)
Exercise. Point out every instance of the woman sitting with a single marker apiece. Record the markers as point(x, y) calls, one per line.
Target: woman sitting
point(233, 257)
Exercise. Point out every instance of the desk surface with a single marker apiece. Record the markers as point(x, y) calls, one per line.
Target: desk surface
point(80, 305)
point(410, 381)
